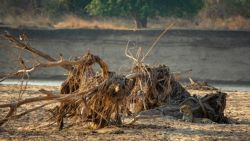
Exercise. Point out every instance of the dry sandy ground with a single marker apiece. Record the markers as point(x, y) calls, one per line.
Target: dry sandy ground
point(32, 126)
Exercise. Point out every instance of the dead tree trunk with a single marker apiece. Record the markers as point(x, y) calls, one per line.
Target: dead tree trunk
point(140, 22)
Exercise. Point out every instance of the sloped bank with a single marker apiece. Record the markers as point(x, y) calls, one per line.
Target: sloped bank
point(212, 55)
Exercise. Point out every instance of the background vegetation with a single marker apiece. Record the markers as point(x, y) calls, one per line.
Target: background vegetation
point(138, 13)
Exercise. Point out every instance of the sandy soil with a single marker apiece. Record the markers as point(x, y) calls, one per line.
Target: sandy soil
point(33, 126)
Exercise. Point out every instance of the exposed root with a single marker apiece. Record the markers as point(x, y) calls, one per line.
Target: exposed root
point(210, 106)
point(104, 98)
point(154, 87)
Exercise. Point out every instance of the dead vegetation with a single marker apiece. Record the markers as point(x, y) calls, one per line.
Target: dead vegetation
point(202, 86)
point(210, 106)
point(104, 99)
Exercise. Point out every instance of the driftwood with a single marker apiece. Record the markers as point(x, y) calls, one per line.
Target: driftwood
point(85, 94)
point(202, 86)
point(210, 106)
point(104, 98)
point(155, 87)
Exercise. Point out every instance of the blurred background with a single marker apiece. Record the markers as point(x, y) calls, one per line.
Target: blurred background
point(126, 14)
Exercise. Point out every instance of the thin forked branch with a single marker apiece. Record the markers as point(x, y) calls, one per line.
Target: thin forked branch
point(20, 45)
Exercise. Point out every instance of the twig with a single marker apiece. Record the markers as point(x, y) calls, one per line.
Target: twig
point(157, 40)
point(9, 116)
point(129, 55)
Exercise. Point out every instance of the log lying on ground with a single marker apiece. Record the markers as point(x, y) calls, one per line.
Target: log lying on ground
point(85, 95)
point(210, 106)
point(103, 98)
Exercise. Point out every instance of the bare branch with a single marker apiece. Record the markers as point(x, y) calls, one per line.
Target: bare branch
point(21, 114)
point(128, 53)
point(86, 60)
point(20, 45)
point(65, 98)
point(157, 40)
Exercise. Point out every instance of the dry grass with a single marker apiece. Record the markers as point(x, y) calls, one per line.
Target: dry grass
point(232, 23)
point(76, 22)
point(20, 21)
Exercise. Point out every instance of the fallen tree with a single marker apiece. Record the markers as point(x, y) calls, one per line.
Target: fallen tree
point(103, 99)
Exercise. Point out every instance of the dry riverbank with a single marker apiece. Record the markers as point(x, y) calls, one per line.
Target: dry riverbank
point(31, 126)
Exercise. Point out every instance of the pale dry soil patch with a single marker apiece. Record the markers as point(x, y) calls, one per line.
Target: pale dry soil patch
point(33, 126)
